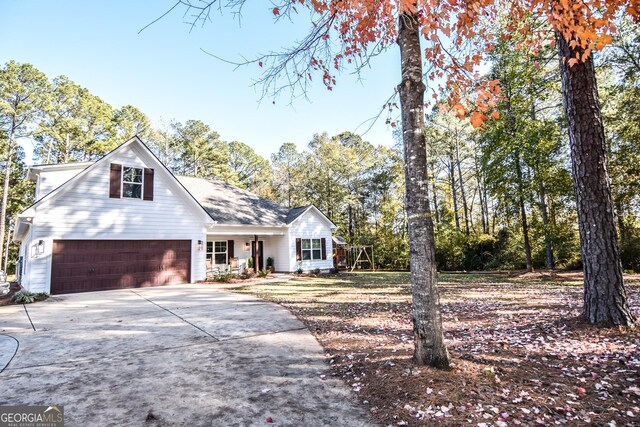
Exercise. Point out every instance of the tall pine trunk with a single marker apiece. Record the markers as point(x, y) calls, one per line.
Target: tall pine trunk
point(465, 207)
point(454, 195)
point(544, 211)
point(427, 320)
point(523, 213)
point(605, 299)
point(5, 192)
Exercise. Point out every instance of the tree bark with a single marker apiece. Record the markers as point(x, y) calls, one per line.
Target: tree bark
point(432, 179)
point(5, 191)
point(350, 215)
point(427, 320)
point(544, 211)
point(6, 248)
point(605, 299)
point(482, 197)
point(465, 207)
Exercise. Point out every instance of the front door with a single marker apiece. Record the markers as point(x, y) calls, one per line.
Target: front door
point(260, 258)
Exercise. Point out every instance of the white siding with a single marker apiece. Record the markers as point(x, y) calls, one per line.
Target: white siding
point(85, 211)
point(26, 261)
point(310, 225)
point(282, 257)
point(50, 180)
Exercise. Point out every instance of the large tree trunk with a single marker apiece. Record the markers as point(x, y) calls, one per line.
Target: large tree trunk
point(427, 320)
point(605, 299)
point(5, 192)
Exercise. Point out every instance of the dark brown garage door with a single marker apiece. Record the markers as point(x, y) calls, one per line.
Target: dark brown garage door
point(98, 265)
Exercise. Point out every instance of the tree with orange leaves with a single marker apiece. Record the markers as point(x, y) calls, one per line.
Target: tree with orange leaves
point(347, 33)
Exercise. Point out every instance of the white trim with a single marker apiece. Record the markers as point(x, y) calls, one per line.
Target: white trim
point(216, 224)
point(247, 233)
point(323, 216)
point(130, 182)
point(34, 171)
point(311, 249)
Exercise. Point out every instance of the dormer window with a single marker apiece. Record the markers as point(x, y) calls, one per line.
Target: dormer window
point(127, 182)
point(132, 182)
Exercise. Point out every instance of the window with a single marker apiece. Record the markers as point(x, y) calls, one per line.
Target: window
point(132, 182)
point(311, 249)
point(217, 252)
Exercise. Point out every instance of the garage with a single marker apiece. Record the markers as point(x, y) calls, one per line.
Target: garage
point(98, 265)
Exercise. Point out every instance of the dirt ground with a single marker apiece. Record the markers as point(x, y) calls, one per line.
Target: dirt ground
point(520, 353)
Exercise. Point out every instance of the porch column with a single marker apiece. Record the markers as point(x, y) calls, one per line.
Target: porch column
point(256, 261)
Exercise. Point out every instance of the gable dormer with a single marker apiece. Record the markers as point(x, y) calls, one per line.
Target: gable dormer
point(50, 177)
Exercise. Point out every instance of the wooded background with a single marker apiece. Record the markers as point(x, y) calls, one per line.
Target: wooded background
point(501, 194)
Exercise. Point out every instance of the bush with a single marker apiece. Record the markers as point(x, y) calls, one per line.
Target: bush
point(250, 262)
point(270, 263)
point(315, 271)
point(630, 252)
point(262, 273)
point(224, 278)
point(26, 297)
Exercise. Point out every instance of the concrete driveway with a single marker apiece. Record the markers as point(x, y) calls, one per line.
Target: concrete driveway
point(187, 355)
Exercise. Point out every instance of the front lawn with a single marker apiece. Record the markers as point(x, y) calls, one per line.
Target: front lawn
point(520, 354)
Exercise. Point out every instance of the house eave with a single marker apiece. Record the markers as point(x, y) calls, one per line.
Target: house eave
point(246, 230)
point(23, 223)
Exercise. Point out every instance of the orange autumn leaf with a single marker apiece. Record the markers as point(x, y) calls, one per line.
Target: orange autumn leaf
point(276, 11)
point(456, 40)
point(495, 115)
point(459, 111)
point(477, 119)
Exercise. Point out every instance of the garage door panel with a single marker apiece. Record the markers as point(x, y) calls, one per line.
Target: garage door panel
point(92, 265)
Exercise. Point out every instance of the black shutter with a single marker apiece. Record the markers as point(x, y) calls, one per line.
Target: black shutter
point(147, 191)
point(115, 176)
point(230, 248)
point(324, 248)
point(298, 249)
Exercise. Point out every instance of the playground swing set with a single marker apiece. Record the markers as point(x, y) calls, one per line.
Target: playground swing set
point(351, 257)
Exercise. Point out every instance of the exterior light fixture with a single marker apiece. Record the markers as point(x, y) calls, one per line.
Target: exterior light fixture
point(247, 246)
point(40, 247)
point(37, 249)
point(200, 245)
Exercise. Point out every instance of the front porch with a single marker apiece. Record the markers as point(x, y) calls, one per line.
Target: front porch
point(234, 252)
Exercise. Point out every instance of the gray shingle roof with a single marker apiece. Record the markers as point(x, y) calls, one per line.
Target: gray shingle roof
point(231, 205)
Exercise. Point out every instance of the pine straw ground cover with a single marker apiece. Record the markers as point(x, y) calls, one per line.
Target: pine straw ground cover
point(520, 354)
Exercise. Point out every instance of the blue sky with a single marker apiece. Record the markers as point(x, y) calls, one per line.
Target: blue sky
point(164, 72)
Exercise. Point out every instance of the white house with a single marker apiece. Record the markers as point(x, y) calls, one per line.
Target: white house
point(127, 221)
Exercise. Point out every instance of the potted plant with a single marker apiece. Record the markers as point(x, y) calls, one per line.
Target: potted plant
point(270, 265)
point(250, 265)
